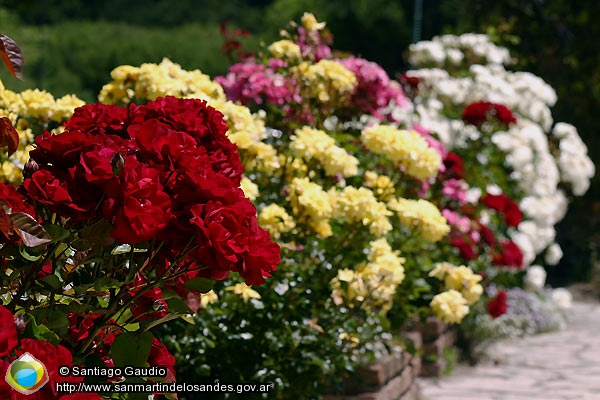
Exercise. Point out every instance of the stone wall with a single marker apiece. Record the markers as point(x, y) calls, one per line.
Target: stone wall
point(393, 377)
point(437, 336)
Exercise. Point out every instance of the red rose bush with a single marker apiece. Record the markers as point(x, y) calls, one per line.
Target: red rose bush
point(120, 223)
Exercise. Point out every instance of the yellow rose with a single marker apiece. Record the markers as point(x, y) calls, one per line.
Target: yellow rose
point(309, 22)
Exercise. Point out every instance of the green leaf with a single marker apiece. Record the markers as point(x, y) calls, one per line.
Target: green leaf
point(202, 285)
point(25, 253)
point(82, 289)
point(57, 232)
point(55, 319)
point(121, 249)
point(59, 249)
point(77, 308)
point(124, 317)
point(43, 333)
point(106, 283)
point(126, 248)
point(103, 302)
point(168, 293)
point(188, 318)
point(152, 323)
point(132, 327)
point(178, 306)
point(98, 233)
point(131, 349)
point(53, 281)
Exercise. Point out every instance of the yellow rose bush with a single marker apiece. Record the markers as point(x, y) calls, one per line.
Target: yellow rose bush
point(31, 112)
point(376, 219)
point(342, 186)
point(347, 186)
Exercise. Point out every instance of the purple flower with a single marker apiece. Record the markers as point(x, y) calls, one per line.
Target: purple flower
point(252, 83)
point(461, 223)
point(455, 189)
point(375, 90)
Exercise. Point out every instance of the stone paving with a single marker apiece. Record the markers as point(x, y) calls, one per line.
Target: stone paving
point(555, 366)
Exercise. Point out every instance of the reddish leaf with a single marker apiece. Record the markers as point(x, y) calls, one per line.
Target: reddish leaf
point(241, 32)
point(12, 56)
point(229, 46)
point(32, 233)
point(223, 27)
point(5, 223)
point(192, 300)
point(9, 136)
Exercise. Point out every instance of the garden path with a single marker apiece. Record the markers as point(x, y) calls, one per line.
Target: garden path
point(554, 366)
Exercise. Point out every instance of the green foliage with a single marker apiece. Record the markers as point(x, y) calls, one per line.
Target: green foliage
point(76, 57)
point(292, 336)
point(131, 348)
point(451, 358)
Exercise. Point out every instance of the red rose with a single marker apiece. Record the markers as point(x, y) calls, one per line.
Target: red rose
point(497, 306)
point(52, 357)
point(504, 114)
point(141, 207)
point(454, 165)
point(496, 202)
point(159, 142)
point(513, 216)
point(479, 112)
point(8, 332)
point(14, 200)
point(59, 150)
point(511, 255)
point(98, 164)
point(44, 271)
point(232, 240)
point(204, 123)
point(149, 305)
point(45, 188)
point(223, 228)
point(160, 357)
point(101, 119)
point(488, 235)
point(411, 81)
point(465, 246)
point(78, 331)
point(262, 257)
point(505, 205)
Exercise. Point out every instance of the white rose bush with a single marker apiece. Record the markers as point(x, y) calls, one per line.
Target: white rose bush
point(500, 123)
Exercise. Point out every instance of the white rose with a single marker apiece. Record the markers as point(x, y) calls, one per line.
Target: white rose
point(553, 254)
point(562, 297)
point(535, 277)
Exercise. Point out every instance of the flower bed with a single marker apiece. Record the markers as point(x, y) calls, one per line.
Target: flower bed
point(391, 377)
point(346, 204)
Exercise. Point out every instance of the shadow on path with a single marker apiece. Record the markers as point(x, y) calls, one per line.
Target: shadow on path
point(561, 365)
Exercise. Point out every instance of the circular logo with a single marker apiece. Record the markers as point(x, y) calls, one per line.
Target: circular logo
point(26, 374)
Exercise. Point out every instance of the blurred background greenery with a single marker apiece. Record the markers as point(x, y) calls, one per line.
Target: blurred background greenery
point(70, 46)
